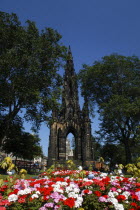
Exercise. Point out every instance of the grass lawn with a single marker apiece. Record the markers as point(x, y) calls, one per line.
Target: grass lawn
point(28, 176)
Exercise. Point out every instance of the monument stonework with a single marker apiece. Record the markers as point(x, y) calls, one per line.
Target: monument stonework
point(70, 119)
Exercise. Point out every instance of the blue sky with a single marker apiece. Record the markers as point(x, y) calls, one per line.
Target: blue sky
point(93, 29)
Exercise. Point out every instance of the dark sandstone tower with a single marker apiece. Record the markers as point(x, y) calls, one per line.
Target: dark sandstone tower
point(70, 120)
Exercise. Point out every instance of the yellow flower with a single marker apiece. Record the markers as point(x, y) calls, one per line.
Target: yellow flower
point(23, 171)
point(8, 160)
point(12, 166)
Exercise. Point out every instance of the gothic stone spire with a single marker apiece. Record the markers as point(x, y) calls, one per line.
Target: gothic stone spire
point(70, 88)
point(70, 119)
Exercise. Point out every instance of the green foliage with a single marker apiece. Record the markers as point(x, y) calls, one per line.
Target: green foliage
point(51, 169)
point(114, 85)
point(101, 159)
point(29, 61)
point(134, 169)
point(21, 143)
point(90, 167)
point(120, 166)
point(111, 154)
point(70, 165)
point(97, 149)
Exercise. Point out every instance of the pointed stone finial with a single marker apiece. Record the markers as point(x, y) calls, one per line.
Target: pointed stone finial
point(69, 49)
point(70, 54)
point(69, 70)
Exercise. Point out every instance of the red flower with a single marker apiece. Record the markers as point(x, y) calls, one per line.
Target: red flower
point(121, 197)
point(4, 202)
point(105, 196)
point(133, 204)
point(87, 183)
point(137, 190)
point(13, 192)
point(3, 188)
point(69, 202)
point(86, 191)
point(45, 191)
point(2, 208)
point(137, 184)
point(135, 197)
point(45, 198)
point(98, 193)
point(22, 199)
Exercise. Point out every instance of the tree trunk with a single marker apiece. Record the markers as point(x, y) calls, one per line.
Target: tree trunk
point(5, 124)
point(128, 154)
point(2, 140)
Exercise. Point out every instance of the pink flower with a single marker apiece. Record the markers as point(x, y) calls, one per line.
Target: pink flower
point(49, 205)
point(102, 199)
point(113, 189)
point(56, 207)
point(138, 194)
point(42, 208)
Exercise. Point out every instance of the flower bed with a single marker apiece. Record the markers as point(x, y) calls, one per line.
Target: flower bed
point(71, 189)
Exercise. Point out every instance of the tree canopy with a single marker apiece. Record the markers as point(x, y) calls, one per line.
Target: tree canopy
point(29, 64)
point(114, 85)
point(22, 144)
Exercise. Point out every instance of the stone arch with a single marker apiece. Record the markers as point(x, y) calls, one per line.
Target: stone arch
point(73, 131)
point(70, 147)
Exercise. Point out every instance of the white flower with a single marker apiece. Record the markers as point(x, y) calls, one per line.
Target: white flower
point(103, 174)
point(12, 197)
point(24, 192)
point(80, 168)
point(111, 194)
point(37, 192)
point(58, 189)
point(113, 200)
point(72, 195)
point(34, 196)
point(27, 191)
point(126, 194)
point(76, 190)
point(78, 202)
point(113, 178)
point(64, 183)
point(68, 189)
point(120, 171)
point(115, 193)
point(21, 192)
point(119, 190)
point(119, 207)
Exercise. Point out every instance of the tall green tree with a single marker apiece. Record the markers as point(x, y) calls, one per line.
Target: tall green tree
point(22, 144)
point(111, 154)
point(114, 85)
point(29, 64)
